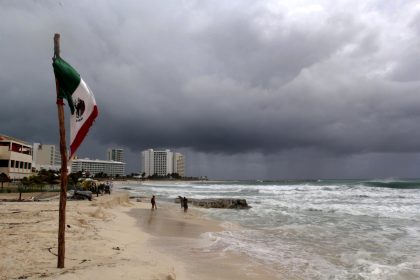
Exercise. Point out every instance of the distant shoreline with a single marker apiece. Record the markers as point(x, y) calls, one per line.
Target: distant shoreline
point(130, 181)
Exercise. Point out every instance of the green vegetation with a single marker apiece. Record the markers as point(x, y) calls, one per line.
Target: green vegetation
point(73, 178)
point(44, 181)
point(101, 175)
point(44, 177)
point(4, 179)
point(172, 176)
point(168, 176)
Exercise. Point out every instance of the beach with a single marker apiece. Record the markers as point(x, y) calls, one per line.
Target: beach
point(111, 237)
point(335, 229)
point(102, 240)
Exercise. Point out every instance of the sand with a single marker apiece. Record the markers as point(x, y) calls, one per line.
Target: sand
point(114, 238)
point(101, 240)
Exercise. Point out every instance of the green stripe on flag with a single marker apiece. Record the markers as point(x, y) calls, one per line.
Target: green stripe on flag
point(68, 80)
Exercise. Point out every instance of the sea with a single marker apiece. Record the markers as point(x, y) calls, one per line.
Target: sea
point(314, 229)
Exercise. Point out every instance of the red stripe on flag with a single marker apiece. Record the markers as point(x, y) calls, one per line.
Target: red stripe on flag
point(83, 131)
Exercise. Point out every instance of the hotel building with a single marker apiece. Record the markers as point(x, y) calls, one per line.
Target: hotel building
point(95, 166)
point(15, 157)
point(162, 162)
point(179, 164)
point(46, 157)
point(115, 155)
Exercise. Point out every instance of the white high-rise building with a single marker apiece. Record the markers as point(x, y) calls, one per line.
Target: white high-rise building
point(46, 157)
point(115, 154)
point(162, 162)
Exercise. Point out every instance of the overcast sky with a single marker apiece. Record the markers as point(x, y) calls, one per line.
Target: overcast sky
point(245, 89)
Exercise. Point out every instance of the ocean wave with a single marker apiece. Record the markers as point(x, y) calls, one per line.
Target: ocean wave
point(317, 229)
point(393, 184)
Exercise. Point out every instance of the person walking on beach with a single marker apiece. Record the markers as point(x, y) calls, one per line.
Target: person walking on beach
point(185, 203)
point(153, 201)
point(181, 201)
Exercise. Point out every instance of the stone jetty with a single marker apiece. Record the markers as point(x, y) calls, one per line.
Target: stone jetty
point(226, 203)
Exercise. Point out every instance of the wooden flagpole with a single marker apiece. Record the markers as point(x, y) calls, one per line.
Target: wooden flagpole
point(63, 151)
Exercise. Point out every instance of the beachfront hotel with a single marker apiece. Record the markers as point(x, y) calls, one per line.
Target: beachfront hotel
point(115, 154)
point(179, 164)
point(95, 166)
point(162, 162)
point(46, 157)
point(15, 157)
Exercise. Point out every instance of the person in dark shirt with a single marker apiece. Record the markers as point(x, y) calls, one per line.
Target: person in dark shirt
point(185, 203)
point(153, 201)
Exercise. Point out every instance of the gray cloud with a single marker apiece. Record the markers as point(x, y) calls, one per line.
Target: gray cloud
point(273, 90)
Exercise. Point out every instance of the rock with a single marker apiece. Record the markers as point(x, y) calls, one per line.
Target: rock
point(136, 197)
point(226, 203)
point(80, 195)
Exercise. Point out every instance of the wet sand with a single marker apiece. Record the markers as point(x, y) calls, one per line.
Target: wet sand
point(183, 236)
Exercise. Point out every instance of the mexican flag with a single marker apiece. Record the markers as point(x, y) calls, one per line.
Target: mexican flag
point(80, 99)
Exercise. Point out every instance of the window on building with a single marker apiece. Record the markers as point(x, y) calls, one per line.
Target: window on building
point(21, 165)
point(4, 163)
point(12, 163)
point(16, 148)
point(29, 165)
point(4, 144)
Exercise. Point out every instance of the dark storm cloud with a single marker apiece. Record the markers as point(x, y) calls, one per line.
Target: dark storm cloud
point(239, 81)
